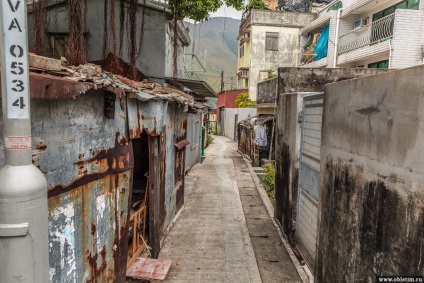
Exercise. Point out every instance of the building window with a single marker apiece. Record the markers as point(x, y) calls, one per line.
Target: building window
point(241, 50)
point(336, 6)
point(59, 44)
point(379, 65)
point(406, 4)
point(271, 41)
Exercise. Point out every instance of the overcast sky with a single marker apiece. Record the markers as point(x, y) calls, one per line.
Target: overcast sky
point(227, 12)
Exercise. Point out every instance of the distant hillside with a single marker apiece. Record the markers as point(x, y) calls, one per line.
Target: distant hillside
point(219, 37)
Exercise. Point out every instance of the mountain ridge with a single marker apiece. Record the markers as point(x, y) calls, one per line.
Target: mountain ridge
point(218, 36)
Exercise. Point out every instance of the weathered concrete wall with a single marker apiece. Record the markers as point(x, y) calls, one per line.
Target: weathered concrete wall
point(294, 81)
point(278, 18)
point(86, 159)
point(287, 25)
point(169, 53)
point(153, 56)
point(262, 60)
point(313, 80)
point(227, 99)
point(287, 148)
point(371, 198)
point(267, 91)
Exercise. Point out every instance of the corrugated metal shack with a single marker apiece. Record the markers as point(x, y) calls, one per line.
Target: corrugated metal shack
point(95, 135)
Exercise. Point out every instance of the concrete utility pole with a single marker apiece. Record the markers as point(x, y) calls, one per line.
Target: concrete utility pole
point(24, 253)
point(222, 81)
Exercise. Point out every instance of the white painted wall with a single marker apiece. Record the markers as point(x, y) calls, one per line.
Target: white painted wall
point(260, 59)
point(230, 119)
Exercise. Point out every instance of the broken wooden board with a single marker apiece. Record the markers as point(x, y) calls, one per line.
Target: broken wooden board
point(149, 269)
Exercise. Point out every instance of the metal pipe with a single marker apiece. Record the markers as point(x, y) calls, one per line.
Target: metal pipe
point(23, 188)
point(336, 40)
point(203, 141)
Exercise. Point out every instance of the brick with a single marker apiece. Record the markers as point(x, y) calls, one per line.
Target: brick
point(45, 63)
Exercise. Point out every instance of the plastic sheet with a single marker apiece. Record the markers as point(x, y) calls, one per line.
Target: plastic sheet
point(322, 44)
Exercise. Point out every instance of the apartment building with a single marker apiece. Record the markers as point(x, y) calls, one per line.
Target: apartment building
point(364, 34)
point(267, 40)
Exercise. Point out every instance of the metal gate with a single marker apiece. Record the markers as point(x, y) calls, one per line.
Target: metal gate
point(309, 175)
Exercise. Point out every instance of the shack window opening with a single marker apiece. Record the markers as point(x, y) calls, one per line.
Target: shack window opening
point(59, 44)
point(271, 41)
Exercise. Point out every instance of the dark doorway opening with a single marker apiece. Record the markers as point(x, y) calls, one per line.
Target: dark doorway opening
point(139, 228)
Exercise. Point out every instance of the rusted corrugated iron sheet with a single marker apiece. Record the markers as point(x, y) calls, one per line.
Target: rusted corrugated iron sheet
point(146, 116)
point(87, 160)
point(88, 231)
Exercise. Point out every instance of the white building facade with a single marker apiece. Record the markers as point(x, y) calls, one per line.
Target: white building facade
point(267, 41)
point(364, 34)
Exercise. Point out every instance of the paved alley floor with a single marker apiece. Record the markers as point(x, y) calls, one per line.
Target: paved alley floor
point(223, 216)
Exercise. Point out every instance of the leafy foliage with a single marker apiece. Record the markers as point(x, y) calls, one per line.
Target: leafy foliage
point(271, 75)
point(210, 139)
point(200, 10)
point(256, 4)
point(243, 100)
point(268, 181)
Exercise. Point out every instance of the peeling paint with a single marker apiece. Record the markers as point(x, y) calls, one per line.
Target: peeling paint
point(63, 236)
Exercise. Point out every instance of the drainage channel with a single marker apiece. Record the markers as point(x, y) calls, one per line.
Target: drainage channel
point(274, 263)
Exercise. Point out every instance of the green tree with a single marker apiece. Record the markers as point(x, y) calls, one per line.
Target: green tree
point(256, 4)
point(200, 10)
point(243, 100)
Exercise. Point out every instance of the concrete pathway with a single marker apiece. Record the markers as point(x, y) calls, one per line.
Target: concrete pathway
point(211, 242)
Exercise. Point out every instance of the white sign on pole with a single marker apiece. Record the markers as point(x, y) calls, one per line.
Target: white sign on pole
point(15, 58)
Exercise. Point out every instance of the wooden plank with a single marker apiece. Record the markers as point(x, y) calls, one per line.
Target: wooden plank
point(149, 269)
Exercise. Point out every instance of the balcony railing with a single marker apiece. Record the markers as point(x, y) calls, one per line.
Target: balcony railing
point(372, 33)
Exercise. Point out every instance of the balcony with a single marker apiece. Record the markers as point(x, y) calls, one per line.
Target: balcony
point(373, 33)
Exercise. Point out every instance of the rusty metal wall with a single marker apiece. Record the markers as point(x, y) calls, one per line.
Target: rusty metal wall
point(194, 136)
point(176, 131)
point(87, 161)
point(169, 121)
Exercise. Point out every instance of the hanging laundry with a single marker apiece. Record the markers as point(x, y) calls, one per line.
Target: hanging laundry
point(261, 137)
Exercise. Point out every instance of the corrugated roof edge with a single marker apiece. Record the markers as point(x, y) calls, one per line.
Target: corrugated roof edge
point(73, 82)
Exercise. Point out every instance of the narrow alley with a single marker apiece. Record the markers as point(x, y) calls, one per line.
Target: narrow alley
point(224, 233)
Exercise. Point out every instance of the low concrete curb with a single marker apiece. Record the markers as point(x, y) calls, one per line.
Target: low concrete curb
point(304, 272)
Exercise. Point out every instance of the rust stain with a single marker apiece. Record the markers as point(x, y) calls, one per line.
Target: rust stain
point(41, 147)
point(107, 160)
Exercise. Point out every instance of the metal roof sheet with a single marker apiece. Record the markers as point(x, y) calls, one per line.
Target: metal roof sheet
point(202, 88)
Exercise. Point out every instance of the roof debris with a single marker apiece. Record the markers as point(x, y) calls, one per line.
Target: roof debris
point(94, 77)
